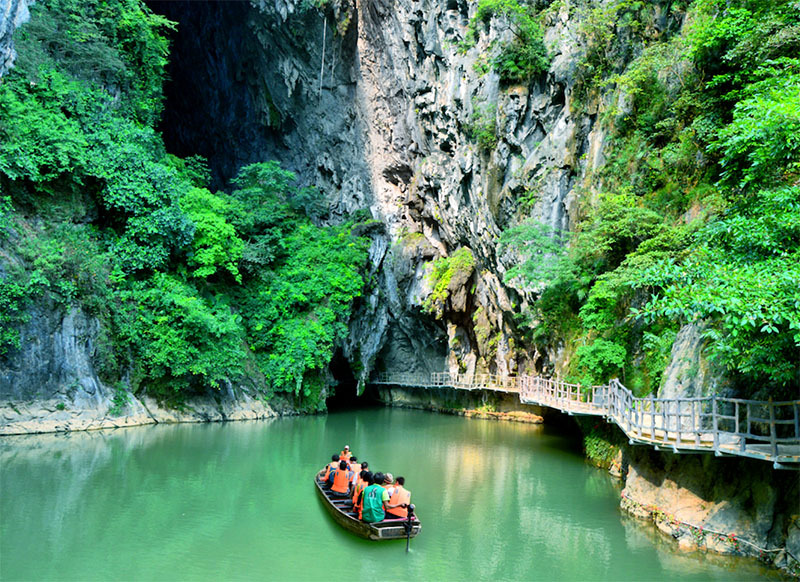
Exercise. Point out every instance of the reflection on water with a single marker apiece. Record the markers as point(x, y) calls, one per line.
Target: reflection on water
point(235, 501)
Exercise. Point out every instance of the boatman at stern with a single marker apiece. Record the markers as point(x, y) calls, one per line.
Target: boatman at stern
point(397, 507)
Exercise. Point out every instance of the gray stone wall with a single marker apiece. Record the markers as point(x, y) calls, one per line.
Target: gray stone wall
point(13, 13)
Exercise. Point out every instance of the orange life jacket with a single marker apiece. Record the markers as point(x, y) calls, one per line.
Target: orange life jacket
point(400, 495)
point(341, 480)
point(331, 466)
point(345, 456)
point(356, 469)
point(360, 485)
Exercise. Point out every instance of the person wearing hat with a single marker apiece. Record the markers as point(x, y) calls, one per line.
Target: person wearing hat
point(388, 479)
point(345, 454)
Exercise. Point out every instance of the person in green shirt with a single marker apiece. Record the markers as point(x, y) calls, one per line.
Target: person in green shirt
point(374, 500)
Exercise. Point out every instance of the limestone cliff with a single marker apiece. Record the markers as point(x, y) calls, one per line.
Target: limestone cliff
point(375, 103)
point(13, 13)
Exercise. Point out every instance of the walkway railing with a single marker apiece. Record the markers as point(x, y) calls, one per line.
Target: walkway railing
point(757, 429)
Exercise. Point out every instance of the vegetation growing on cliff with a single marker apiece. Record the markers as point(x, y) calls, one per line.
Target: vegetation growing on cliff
point(698, 219)
point(523, 57)
point(193, 287)
point(461, 263)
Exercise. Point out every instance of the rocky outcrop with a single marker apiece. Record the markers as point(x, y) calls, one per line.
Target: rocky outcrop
point(726, 505)
point(12, 14)
point(51, 383)
point(689, 373)
point(376, 103)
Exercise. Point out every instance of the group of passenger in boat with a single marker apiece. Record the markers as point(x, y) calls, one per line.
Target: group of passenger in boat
point(375, 496)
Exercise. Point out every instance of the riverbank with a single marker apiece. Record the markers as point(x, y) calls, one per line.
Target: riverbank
point(79, 410)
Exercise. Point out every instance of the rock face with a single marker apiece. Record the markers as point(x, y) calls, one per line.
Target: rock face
point(689, 374)
point(52, 384)
point(12, 14)
point(375, 103)
point(479, 404)
point(728, 505)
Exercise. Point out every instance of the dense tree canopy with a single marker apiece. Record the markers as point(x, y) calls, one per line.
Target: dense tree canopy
point(698, 218)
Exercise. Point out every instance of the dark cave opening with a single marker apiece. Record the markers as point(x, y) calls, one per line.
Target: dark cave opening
point(210, 101)
point(344, 395)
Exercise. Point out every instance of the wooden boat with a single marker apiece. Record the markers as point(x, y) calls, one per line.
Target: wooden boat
point(343, 514)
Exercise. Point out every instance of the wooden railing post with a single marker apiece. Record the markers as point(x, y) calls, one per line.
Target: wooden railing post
point(714, 422)
point(773, 437)
point(741, 436)
point(652, 418)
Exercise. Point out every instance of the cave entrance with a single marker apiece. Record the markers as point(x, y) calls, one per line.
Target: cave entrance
point(344, 391)
point(211, 101)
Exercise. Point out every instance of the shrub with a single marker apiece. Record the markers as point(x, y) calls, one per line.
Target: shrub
point(442, 271)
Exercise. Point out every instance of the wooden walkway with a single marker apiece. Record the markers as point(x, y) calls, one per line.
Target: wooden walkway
point(768, 431)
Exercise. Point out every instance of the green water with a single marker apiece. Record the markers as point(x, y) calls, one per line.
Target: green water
point(235, 501)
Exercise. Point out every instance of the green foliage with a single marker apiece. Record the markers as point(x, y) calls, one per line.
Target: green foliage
point(526, 55)
point(215, 243)
point(120, 400)
point(542, 249)
point(5, 215)
point(600, 361)
point(601, 27)
point(119, 46)
point(742, 277)
point(482, 126)
point(657, 350)
point(179, 337)
point(443, 269)
point(296, 317)
point(66, 129)
point(697, 219)
point(66, 262)
point(762, 143)
point(601, 443)
point(12, 301)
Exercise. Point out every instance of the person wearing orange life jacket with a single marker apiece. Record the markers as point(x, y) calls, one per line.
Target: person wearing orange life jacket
point(359, 483)
point(330, 467)
point(399, 501)
point(355, 467)
point(341, 480)
point(345, 454)
point(367, 478)
point(363, 480)
point(358, 468)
